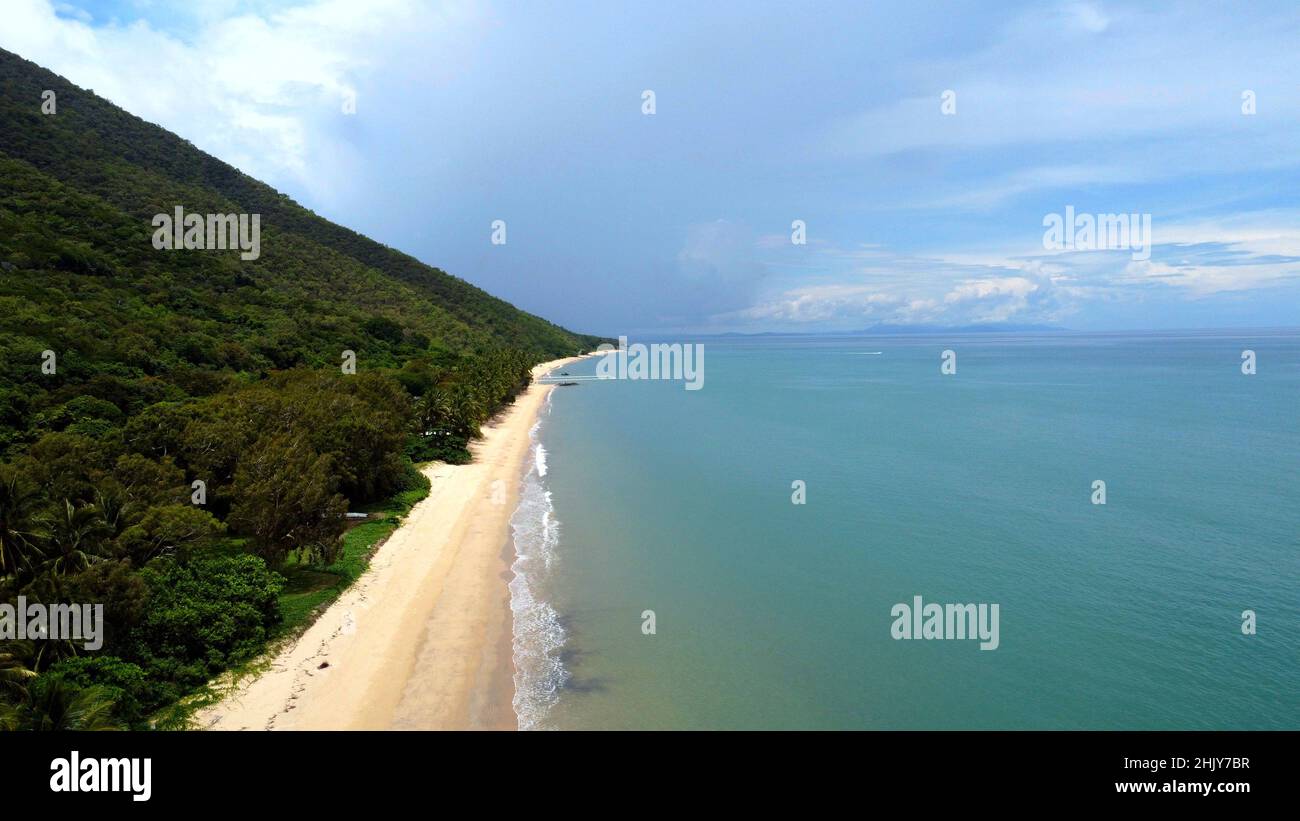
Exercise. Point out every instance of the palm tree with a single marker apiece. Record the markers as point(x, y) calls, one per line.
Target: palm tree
point(15, 666)
point(432, 411)
point(466, 413)
point(57, 705)
point(74, 536)
point(116, 511)
point(20, 532)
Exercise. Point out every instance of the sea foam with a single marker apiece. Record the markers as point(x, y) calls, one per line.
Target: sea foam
point(538, 634)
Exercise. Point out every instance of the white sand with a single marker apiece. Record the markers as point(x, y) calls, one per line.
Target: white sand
point(423, 639)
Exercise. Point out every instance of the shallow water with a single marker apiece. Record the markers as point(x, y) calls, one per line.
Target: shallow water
point(973, 487)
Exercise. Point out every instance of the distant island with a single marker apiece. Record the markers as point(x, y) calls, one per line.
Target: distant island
point(906, 330)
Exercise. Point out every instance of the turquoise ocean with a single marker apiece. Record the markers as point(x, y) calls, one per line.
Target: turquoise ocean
point(975, 487)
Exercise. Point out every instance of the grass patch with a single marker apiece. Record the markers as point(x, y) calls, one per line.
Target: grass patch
point(308, 590)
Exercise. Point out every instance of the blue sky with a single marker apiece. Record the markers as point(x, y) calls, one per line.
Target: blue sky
point(766, 113)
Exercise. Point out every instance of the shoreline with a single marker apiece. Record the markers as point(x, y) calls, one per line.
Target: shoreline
point(423, 640)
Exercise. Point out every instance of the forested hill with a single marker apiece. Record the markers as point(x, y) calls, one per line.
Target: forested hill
point(79, 187)
point(183, 431)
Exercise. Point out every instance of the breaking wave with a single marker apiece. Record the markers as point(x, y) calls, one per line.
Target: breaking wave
point(538, 635)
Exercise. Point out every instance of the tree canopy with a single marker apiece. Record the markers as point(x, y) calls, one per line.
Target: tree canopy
point(177, 426)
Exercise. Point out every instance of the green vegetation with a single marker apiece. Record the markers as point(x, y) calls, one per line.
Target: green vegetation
point(309, 587)
point(187, 454)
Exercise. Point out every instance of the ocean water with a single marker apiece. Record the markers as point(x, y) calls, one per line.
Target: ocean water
point(975, 487)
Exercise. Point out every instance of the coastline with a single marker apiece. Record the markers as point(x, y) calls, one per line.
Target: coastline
point(423, 639)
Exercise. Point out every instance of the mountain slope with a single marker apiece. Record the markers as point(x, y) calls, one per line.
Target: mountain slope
point(180, 433)
point(92, 158)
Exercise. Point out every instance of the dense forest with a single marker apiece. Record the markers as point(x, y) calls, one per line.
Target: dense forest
point(182, 432)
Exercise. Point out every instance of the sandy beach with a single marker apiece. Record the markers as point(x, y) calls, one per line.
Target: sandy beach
point(423, 639)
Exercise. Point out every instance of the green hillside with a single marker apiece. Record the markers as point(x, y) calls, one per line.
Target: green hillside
point(128, 374)
point(83, 183)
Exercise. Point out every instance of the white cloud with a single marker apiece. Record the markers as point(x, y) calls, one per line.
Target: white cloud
point(1082, 74)
point(1191, 260)
point(263, 92)
point(1088, 16)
